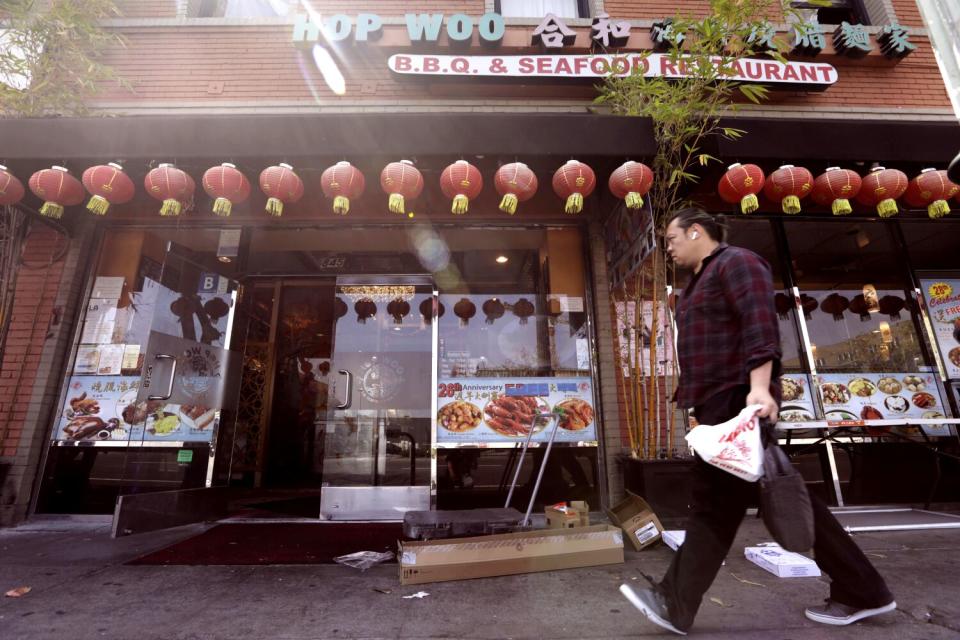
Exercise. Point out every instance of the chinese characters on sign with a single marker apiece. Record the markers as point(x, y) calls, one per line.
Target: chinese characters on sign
point(942, 297)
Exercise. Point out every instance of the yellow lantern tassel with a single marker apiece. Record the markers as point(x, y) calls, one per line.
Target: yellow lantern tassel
point(574, 203)
point(396, 203)
point(52, 210)
point(222, 207)
point(791, 204)
point(98, 205)
point(275, 207)
point(634, 200)
point(170, 207)
point(841, 207)
point(509, 203)
point(938, 209)
point(887, 208)
point(749, 203)
point(460, 204)
point(341, 205)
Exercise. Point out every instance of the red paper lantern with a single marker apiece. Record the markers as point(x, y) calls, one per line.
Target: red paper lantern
point(401, 181)
point(462, 182)
point(493, 309)
point(11, 189)
point(174, 187)
point(741, 184)
point(630, 182)
point(342, 182)
point(931, 189)
point(280, 184)
point(834, 188)
point(108, 184)
point(516, 183)
point(398, 309)
point(465, 309)
point(365, 308)
point(523, 309)
point(574, 181)
point(788, 185)
point(57, 188)
point(881, 188)
point(227, 185)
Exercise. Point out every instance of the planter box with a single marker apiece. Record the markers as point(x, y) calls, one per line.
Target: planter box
point(664, 484)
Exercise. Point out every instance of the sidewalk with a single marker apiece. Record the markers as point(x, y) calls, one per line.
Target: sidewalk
point(81, 589)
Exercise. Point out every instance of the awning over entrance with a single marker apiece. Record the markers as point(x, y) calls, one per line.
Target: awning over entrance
point(413, 134)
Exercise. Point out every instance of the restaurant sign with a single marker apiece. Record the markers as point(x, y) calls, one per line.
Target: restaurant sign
point(603, 65)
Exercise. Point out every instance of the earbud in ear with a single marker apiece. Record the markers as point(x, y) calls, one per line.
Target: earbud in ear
point(694, 235)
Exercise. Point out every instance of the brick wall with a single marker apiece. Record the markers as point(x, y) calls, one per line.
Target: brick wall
point(47, 295)
point(908, 13)
point(250, 64)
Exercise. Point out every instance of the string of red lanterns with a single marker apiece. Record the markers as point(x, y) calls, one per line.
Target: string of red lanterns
point(462, 182)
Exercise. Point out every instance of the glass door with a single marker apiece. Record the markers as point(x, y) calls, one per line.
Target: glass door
point(379, 429)
point(183, 314)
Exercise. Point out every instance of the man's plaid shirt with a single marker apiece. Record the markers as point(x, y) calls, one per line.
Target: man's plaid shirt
point(727, 325)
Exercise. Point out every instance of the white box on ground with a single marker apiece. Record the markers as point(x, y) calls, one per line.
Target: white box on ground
point(781, 563)
point(674, 538)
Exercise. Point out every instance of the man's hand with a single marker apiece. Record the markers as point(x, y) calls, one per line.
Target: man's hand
point(761, 396)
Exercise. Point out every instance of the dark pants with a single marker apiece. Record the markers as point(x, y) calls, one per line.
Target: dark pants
point(719, 502)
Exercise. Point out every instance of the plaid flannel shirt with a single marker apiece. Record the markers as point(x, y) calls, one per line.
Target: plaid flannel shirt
point(727, 326)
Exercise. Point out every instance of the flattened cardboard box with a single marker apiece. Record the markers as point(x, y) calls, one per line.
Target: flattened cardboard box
point(781, 563)
point(509, 554)
point(637, 520)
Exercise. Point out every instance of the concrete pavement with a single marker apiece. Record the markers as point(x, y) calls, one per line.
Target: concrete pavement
point(81, 588)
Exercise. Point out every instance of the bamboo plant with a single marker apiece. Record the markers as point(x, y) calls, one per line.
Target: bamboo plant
point(687, 117)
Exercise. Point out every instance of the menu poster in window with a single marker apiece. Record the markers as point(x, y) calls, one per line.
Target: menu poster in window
point(108, 288)
point(88, 359)
point(487, 410)
point(880, 396)
point(111, 357)
point(97, 408)
point(99, 322)
point(797, 402)
point(942, 297)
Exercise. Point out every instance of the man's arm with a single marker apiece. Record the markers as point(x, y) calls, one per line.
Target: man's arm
point(748, 287)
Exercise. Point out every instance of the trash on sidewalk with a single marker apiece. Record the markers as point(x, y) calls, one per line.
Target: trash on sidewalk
point(781, 563)
point(418, 594)
point(363, 560)
point(637, 519)
point(19, 591)
point(509, 554)
point(674, 538)
point(566, 515)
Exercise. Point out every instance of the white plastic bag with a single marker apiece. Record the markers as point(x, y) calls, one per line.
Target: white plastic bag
point(733, 446)
point(363, 560)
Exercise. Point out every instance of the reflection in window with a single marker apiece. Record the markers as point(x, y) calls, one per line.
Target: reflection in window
point(862, 321)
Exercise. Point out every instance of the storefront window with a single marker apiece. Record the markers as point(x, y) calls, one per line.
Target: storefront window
point(861, 322)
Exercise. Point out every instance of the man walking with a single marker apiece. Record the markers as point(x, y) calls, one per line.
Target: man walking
point(729, 352)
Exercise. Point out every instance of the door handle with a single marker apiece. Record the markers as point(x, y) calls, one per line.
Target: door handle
point(173, 376)
point(349, 395)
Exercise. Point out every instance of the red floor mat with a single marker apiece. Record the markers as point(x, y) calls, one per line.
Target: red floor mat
point(277, 543)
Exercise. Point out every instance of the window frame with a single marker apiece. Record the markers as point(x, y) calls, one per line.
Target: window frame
point(583, 10)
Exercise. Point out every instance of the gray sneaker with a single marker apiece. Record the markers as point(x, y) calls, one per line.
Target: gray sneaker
point(651, 604)
point(836, 613)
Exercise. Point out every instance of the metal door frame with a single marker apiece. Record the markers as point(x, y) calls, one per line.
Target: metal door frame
point(349, 494)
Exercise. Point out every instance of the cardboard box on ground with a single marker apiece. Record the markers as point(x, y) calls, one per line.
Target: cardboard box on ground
point(637, 520)
point(566, 515)
point(509, 554)
point(781, 563)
